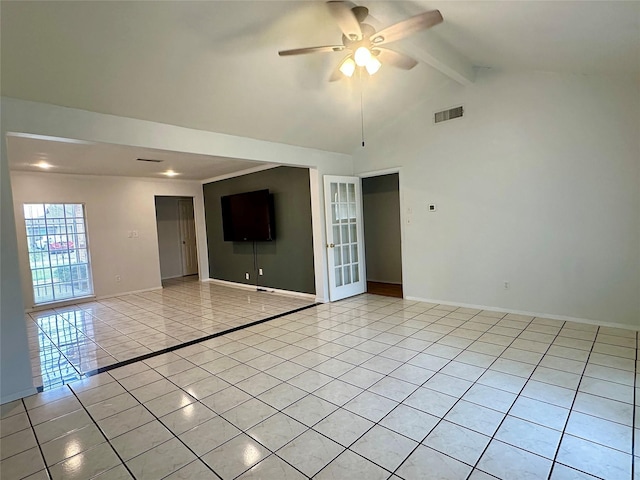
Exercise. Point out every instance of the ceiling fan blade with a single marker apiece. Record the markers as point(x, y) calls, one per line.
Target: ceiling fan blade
point(405, 28)
point(345, 18)
point(303, 51)
point(397, 59)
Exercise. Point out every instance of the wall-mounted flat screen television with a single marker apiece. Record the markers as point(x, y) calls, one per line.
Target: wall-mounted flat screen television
point(248, 217)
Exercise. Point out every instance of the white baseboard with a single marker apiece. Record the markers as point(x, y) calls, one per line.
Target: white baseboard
point(91, 298)
point(384, 281)
point(172, 277)
point(244, 286)
point(15, 396)
point(62, 303)
point(551, 316)
point(132, 292)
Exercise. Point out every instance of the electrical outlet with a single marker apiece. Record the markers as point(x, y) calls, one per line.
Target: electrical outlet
point(506, 285)
point(260, 272)
point(118, 278)
point(246, 276)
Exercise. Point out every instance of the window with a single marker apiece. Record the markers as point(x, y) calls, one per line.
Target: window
point(58, 251)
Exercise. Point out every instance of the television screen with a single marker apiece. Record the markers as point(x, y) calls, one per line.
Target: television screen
point(248, 217)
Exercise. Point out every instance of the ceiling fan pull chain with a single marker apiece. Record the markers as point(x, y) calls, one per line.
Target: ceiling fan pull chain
point(361, 107)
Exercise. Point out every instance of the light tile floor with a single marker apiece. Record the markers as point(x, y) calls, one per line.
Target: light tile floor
point(366, 388)
point(67, 342)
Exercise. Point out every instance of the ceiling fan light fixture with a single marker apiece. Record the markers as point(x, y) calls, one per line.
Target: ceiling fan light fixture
point(373, 65)
point(362, 55)
point(348, 67)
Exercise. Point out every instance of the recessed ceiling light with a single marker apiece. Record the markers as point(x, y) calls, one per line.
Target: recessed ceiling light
point(170, 173)
point(42, 164)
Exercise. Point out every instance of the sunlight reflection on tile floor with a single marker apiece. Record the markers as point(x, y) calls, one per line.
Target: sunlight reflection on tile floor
point(366, 388)
point(67, 342)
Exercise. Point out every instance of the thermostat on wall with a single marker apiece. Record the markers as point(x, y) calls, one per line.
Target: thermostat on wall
point(432, 207)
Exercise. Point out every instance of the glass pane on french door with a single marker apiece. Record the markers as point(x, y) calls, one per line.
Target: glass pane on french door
point(344, 224)
point(58, 251)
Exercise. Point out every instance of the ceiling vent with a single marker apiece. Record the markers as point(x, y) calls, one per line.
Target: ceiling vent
point(149, 160)
point(450, 114)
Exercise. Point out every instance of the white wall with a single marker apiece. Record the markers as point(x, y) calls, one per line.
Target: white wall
point(538, 185)
point(15, 365)
point(114, 207)
point(169, 243)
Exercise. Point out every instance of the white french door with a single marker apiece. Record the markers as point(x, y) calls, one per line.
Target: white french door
point(345, 239)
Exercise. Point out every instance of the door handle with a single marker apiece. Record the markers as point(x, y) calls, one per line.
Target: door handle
point(330, 245)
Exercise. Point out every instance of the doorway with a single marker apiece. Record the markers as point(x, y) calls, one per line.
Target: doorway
point(176, 226)
point(383, 254)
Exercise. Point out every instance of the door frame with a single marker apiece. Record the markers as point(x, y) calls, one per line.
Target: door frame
point(180, 249)
point(405, 216)
point(195, 236)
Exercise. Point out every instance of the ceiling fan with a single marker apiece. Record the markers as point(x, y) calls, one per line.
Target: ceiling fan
point(364, 44)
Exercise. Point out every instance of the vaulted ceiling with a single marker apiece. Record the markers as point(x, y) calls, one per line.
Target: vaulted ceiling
point(214, 65)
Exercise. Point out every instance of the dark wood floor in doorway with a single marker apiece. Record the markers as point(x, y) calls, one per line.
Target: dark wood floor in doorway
point(386, 289)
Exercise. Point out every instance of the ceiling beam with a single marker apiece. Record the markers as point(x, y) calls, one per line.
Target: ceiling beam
point(425, 46)
point(428, 48)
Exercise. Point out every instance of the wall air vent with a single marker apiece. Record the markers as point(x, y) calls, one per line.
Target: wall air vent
point(450, 114)
point(149, 160)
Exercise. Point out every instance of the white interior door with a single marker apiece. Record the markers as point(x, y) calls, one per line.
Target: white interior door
point(188, 237)
point(345, 239)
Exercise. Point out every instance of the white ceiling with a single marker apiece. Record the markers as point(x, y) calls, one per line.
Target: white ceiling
point(27, 152)
point(214, 65)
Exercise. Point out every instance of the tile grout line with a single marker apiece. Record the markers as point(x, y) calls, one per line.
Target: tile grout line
point(635, 408)
point(161, 423)
point(374, 424)
point(199, 457)
point(445, 365)
point(192, 342)
point(555, 457)
point(516, 399)
point(330, 357)
point(146, 356)
point(418, 387)
point(307, 394)
point(103, 434)
point(55, 345)
point(473, 467)
point(180, 388)
point(217, 414)
point(59, 313)
point(33, 430)
point(436, 372)
point(487, 368)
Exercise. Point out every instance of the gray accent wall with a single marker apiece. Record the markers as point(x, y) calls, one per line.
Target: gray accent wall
point(287, 262)
point(381, 211)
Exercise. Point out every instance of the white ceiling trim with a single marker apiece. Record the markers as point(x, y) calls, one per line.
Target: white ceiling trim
point(239, 173)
